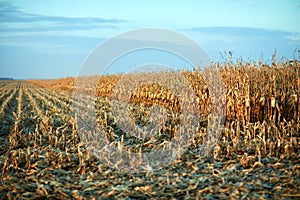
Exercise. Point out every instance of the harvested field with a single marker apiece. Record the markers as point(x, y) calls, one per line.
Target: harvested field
point(257, 155)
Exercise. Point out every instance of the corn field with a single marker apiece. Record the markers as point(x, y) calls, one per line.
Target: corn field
point(257, 155)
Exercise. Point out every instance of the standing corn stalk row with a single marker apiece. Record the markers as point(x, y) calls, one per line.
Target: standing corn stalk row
point(18, 113)
point(257, 153)
point(6, 102)
point(255, 92)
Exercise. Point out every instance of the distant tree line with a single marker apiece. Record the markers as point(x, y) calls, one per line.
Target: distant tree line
point(6, 78)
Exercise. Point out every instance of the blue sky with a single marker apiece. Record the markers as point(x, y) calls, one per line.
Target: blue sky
point(51, 39)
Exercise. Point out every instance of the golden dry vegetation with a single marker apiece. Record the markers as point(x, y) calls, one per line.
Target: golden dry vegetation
point(257, 154)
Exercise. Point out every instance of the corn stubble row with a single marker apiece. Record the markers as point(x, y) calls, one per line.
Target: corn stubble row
point(257, 154)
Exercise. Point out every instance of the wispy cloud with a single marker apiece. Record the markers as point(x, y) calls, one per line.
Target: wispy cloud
point(240, 31)
point(245, 34)
point(13, 20)
point(246, 41)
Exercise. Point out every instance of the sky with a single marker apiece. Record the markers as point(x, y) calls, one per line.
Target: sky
point(52, 39)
